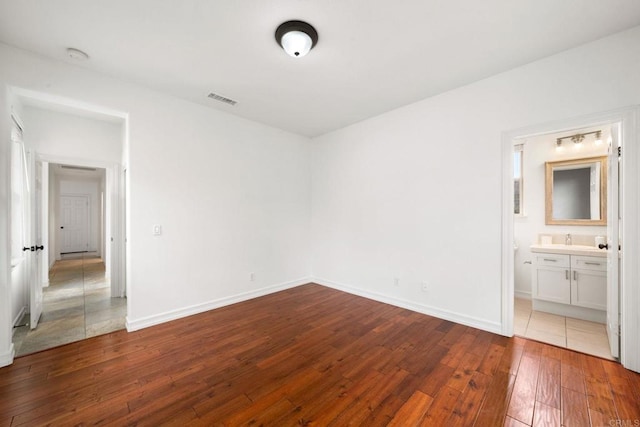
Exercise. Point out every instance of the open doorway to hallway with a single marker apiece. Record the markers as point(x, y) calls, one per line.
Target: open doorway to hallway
point(77, 305)
point(76, 219)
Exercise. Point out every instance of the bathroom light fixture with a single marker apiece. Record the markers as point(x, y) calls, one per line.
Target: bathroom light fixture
point(598, 138)
point(579, 137)
point(297, 38)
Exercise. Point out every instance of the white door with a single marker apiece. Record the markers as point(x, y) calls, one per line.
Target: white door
point(26, 217)
point(74, 223)
point(35, 232)
point(613, 240)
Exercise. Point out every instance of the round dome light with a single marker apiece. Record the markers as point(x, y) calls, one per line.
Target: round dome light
point(297, 38)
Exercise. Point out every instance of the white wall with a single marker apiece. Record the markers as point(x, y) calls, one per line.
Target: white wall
point(416, 193)
point(68, 135)
point(232, 196)
point(537, 151)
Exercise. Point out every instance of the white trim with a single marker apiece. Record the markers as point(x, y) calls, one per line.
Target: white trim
point(522, 294)
point(156, 319)
point(74, 104)
point(463, 319)
point(6, 359)
point(629, 288)
point(630, 256)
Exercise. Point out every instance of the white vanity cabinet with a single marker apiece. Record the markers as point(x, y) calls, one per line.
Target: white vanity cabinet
point(551, 277)
point(589, 282)
point(576, 280)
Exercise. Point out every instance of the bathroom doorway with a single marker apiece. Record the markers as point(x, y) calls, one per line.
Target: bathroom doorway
point(622, 327)
point(556, 300)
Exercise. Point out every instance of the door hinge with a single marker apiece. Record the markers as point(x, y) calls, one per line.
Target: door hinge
point(619, 151)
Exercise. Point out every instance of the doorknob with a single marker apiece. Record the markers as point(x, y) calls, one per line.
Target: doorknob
point(61, 227)
point(28, 249)
point(603, 246)
point(39, 248)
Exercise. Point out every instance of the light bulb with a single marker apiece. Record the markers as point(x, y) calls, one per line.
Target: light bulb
point(598, 138)
point(296, 43)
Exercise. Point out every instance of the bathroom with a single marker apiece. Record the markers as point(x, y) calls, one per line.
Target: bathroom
point(551, 247)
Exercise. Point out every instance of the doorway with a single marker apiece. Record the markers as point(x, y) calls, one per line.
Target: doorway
point(560, 276)
point(74, 220)
point(77, 141)
point(625, 325)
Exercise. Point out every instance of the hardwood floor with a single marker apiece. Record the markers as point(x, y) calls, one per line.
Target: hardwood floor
point(313, 356)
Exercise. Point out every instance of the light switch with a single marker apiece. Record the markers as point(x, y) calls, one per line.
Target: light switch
point(157, 230)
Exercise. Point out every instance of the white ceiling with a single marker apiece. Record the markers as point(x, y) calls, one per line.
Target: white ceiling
point(372, 55)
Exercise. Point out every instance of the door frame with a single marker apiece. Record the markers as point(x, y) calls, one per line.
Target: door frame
point(629, 208)
point(114, 220)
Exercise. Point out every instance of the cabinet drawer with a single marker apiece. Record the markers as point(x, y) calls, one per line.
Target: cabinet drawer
point(589, 263)
point(552, 260)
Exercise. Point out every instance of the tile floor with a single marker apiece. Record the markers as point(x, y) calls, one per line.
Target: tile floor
point(575, 334)
point(77, 305)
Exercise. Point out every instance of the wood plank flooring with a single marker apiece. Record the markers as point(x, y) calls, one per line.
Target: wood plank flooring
point(314, 356)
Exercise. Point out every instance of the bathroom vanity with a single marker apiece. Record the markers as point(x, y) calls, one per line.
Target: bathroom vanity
point(570, 280)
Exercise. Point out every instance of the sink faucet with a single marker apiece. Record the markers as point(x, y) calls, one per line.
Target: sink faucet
point(567, 239)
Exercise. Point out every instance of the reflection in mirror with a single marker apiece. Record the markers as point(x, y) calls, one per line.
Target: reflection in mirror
point(576, 192)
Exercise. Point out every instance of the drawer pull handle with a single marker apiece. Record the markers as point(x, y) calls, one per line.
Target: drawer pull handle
point(566, 274)
point(550, 260)
point(575, 275)
point(593, 263)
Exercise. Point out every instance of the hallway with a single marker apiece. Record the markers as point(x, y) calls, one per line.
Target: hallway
point(77, 305)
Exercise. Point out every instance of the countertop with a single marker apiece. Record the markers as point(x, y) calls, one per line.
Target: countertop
point(570, 250)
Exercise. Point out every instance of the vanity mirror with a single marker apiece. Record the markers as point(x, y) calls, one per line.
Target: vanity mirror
point(576, 192)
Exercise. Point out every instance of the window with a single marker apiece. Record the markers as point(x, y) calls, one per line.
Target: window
point(518, 151)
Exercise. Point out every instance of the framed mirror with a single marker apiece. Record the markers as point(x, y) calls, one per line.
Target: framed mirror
point(576, 192)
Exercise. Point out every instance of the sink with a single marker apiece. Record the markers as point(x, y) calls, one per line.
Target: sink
point(569, 249)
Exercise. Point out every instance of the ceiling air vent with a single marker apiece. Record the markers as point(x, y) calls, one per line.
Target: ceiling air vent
point(222, 98)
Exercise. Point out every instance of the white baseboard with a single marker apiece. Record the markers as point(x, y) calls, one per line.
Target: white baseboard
point(522, 294)
point(6, 358)
point(21, 313)
point(463, 319)
point(156, 319)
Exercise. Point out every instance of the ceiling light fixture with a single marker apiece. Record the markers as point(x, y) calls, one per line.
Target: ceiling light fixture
point(77, 54)
point(297, 38)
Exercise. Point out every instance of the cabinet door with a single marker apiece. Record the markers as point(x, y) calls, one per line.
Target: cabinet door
point(589, 288)
point(552, 284)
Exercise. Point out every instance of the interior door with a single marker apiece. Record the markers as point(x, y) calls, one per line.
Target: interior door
point(613, 240)
point(74, 223)
point(35, 233)
point(27, 220)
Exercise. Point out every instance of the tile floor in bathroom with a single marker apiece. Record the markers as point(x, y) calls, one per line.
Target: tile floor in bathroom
point(77, 304)
point(575, 334)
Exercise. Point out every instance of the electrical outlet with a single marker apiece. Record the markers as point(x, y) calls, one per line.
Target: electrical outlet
point(252, 277)
point(425, 287)
point(396, 281)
